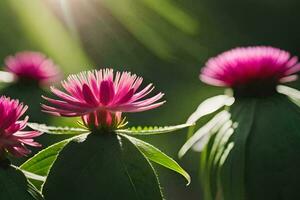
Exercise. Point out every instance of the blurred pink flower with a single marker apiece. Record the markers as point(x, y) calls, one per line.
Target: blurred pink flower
point(244, 65)
point(103, 120)
point(32, 66)
point(12, 138)
point(99, 90)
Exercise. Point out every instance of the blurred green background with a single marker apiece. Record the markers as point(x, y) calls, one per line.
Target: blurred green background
point(164, 41)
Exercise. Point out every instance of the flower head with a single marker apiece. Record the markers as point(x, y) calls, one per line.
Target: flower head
point(12, 138)
point(103, 120)
point(32, 66)
point(99, 90)
point(246, 65)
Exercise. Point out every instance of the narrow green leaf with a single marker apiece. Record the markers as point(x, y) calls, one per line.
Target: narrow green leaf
point(219, 150)
point(40, 163)
point(33, 176)
point(212, 152)
point(209, 106)
point(34, 192)
point(152, 130)
point(57, 130)
point(201, 137)
point(155, 155)
point(104, 166)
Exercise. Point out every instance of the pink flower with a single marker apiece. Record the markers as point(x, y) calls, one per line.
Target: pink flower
point(99, 90)
point(103, 120)
point(32, 66)
point(241, 66)
point(12, 138)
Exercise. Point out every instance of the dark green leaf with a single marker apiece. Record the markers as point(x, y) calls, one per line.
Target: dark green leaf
point(215, 153)
point(235, 163)
point(13, 185)
point(41, 163)
point(155, 155)
point(104, 167)
point(273, 151)
point(57, 130)
point(152, 130)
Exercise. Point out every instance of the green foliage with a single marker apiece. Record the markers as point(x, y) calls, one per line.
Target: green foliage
point(152, 130)
point(57, 130)
point(130, 156)
point(233, 187)
point(155, 155)
point(41, 163)
point(202, 136)
point(207, 107)
point(33, 176)
point(273, 151)
point(253, 152)
point(34, 192)
point(15, 186)
point(102, 167)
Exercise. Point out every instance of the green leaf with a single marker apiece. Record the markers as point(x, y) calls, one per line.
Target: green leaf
point(14, 186)
point(235, 162)
point(152, 130)
point(209, 106)
point(57, 130)
point(104, 166)
point(41, 163)
point(273, 151)
point(201, 137)
point(34, 192)
point(33, 176)
point(212, 153)
point(292, 93)
point(155, 155)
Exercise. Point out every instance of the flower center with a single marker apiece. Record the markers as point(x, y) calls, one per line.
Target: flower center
point(103, 121)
